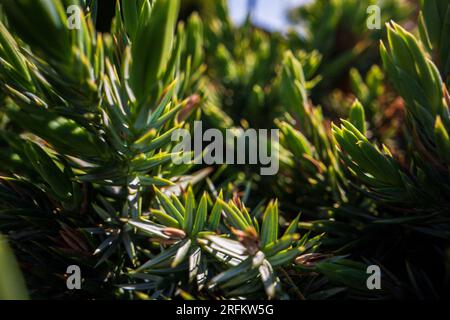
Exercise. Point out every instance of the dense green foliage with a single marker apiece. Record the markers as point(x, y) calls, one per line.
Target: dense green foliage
point(85, 145)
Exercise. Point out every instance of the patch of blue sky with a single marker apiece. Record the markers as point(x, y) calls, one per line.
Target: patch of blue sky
point(268, 14)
